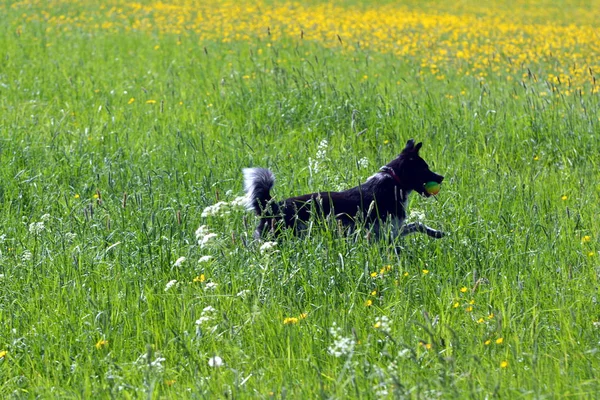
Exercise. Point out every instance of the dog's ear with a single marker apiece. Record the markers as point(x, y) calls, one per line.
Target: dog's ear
point(418, 147)
point(410, 146)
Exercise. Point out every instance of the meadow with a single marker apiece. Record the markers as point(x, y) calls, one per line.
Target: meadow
point(127, 265)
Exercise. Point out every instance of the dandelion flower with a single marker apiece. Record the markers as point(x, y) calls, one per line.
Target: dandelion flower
point(76, 196)
point(504, 364)
point(456, 304)
point(373, 274)
point(303, 315)
point(131, 100)
point(290, 321)
point(369, 303)
point(536, 158)
point(490, 316)
point(405, 274)
point(499, 340)
point(101, 343)
point(425, 271)
point(591, 254)
point(469, 309)
point(215, 362)
point(586, 239)
point(480, 320)
point(374, 292)
point(150, 101)
point(3, 354)
point(463, 289)
point(564, 197)
point(200, 278)
point(487, 342)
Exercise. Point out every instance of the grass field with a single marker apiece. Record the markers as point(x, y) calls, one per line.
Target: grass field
point(122, 124)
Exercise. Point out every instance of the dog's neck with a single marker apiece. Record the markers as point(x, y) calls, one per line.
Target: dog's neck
point(390, 172)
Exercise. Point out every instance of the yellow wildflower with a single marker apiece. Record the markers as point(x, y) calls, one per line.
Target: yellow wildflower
point(101, 343)
point(586, 239)
point(564, 197)
point(425, 271)
point(499, 340)
point(487, 342)
point(150, 101)
point(290, 321)
point(504, 364)
point(3, 354)
point(463, 289)
point(200, 278)
point(131, 100)
point(368, 303)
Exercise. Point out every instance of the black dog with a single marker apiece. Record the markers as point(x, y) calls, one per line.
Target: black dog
point(382, 198)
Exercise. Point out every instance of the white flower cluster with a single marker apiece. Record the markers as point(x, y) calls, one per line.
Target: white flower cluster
point(223, 208)
point(215, 362)
point(382, 323)
point(207, 315)
point(179, 262)
point(203, 236)
point(342, 346)
point(267, 246)
point(314, 165)
point(363, 163)
point(170, 284)
point(35, 228)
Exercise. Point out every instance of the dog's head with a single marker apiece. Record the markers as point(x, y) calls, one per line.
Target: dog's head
point(411, 171)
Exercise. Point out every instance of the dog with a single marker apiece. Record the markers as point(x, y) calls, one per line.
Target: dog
point(381, 199)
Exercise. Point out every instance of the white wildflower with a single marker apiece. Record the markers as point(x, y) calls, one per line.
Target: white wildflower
point(382, 323)
point(158, 363)
point(36, 228)
point(26, 255)
point(239, 202)
point(219, 209)
point(201, 232)
point(266, 246)
point(211, 285)
point(203, 242)
point(416, 214)
point(341, 346)
point(363, 162)
point(170, 284)
point(45, 217)
point(215, 362)
point(179, 261)
point(207, 315)
point(242, 294)
point(204, 259)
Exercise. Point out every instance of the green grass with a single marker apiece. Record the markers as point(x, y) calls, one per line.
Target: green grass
point(98, 267)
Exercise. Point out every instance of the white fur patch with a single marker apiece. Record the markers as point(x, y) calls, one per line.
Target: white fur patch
point(254, 177)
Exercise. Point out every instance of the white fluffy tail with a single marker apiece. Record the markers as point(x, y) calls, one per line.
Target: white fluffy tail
point(258, 183)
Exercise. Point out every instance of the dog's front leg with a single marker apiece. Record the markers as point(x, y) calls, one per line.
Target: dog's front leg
point(419, 227)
